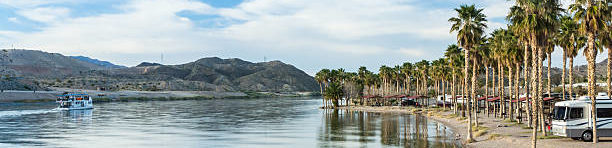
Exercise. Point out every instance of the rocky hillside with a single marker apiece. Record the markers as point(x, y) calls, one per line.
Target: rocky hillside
point(104, 64)
point(207, 74)
point(46, 65)
point(229, 74)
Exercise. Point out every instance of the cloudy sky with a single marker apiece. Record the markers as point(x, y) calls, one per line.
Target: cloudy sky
point(309, 34)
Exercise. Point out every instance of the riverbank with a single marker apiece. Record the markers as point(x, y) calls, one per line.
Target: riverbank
point(106, 96)
point(493, 132)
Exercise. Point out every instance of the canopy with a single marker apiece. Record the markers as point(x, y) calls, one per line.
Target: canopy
point(493, 99)
point(521, 99)
point(415, 97)
point(482, 98)
point(550, 98)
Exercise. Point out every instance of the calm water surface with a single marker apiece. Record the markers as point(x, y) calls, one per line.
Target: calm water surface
point(275, 122)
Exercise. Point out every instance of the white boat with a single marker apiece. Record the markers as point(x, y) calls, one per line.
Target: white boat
point(74, 101)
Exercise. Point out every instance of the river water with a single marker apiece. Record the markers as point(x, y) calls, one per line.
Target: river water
point(265, 122)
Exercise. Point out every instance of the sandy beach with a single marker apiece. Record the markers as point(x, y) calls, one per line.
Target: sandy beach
point(496, 132)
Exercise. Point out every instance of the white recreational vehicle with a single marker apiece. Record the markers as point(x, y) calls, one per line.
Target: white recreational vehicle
point(573, 118)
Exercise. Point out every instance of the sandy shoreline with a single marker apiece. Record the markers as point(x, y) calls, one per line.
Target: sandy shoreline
point(497, 134)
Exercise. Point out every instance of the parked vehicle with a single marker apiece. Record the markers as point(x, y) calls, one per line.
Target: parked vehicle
point(573, 118)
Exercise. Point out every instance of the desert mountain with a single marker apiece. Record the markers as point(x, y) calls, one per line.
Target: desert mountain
point(56, 70)
point(105, 64)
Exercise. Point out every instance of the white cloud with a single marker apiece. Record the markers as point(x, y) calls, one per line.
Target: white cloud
point(13, 19)
point(299, 30)
point(411, 52)
point(46, 14)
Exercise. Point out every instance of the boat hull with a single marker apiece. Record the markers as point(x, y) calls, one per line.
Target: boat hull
point(75, 108)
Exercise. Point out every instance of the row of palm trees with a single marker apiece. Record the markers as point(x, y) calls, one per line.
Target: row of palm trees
point(535, 28)
point(511, 55)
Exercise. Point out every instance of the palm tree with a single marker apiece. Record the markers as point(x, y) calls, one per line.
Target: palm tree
point(591, 15)
point(567, 31)
point(406, 70)
point(454, 56)
point(497, 45)
point(385, 75)
point(511, 54)
point(516, 17)
point(470, 25)
point(476, 56)
point(334, 92)
point(322, 78)
point(485, 57)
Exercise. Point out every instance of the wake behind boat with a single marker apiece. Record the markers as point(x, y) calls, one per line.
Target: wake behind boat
point(74, 101)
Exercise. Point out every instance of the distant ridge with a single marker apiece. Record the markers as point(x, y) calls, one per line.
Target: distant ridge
point(46, 70)
point(97, 62)
point(143, 64)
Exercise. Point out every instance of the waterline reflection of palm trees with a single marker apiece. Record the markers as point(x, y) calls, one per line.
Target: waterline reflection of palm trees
point(389, 129)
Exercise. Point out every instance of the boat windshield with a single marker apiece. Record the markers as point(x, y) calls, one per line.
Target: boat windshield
point(559, 113)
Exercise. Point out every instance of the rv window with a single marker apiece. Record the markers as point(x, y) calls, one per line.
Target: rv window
point(604, 113)
point(575, 113)
point(559, 113)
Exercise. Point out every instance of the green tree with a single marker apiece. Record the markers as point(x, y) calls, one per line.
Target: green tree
point(592, 16)
point(469, 24)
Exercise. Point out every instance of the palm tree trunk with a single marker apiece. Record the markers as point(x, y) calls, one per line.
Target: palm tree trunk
point(516, 92)
point(486, 88)
point(548, 73)
point(494, 91)
point(502, 88)
point(321, 86)
point(526, 85)
point(465, 80)
point(534, 84)
point(417, 87)
point(571, 77)
point(463, 99)
point(563, 74)
point(609, 81)
point(510, 91)
point(540, 87)
point(443, 94)
point(453, 94)
point(591, 64)
point(475, 103)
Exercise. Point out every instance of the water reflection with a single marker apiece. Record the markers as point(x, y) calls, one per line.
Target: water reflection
point(263, 122)
point(343, 128)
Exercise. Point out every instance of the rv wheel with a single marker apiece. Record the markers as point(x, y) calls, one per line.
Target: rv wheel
point(587, 136)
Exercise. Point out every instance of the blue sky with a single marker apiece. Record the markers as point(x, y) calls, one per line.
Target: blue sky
point(309, 34)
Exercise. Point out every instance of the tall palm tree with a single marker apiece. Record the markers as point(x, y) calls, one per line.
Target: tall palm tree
point(538, 21)
point(454, 56)
point(322, 78)
point(485, 57)
point(406, 70)
point(591, 15)
point(385, 75)
point(470, 25)
point(497, 45)
point(565, 38)
point(511, 55)
point(517, 17)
